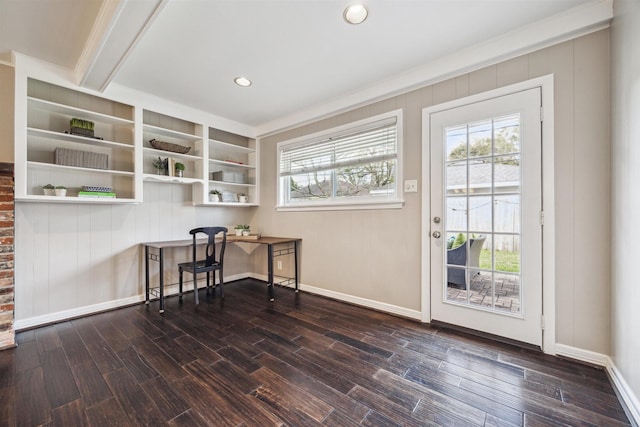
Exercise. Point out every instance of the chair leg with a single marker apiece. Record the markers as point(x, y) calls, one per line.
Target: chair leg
point(208, 280)
point(180, 283)
point(221, 283)
point(195, 287)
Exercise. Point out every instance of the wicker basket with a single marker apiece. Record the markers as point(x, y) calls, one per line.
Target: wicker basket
point(81, 132)
point(168, 146)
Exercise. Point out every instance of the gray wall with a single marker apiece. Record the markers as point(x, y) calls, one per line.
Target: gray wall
point(625, 294)
point(375, 254)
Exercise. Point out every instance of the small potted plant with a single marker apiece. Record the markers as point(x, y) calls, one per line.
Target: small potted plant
point(240, 229)
point(179, 169)
point(49, 190)
point(61, 190)
point(246, 231)
point(214, 195)
point(242, 198)
point(160, 165)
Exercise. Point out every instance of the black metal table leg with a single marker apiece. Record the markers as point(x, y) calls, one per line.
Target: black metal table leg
point(295, 262)
point(161, 260)
point(270, 270)
point(146, 275)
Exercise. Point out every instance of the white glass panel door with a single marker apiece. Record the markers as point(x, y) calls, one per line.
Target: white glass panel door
point(486, 203)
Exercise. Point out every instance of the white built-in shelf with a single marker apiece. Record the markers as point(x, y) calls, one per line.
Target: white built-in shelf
point(231, 164)
point(170, 133)
point(67, 110)
point(62, 168)
point(74, 199)
point(162, 153)
point(231, 184)
point(170, 179)
point(59, 136)
point(232, 147)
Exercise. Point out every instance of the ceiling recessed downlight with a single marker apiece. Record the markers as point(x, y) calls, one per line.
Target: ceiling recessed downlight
point(355, 14)
point(242, 81)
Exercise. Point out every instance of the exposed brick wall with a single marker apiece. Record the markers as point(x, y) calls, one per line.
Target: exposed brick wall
point(7, 233)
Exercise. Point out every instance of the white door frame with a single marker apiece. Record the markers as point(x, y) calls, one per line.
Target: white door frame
point(545, 84)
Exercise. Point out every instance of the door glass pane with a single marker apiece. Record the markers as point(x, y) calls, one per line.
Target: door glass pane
point(480, 176)
point(456, 142)
point(480, 139)
point(483, 219)
point(457, 213)
point(480, 214)
point(506, 210)
point(456, 177)
point(507, 134)
point(507, 174)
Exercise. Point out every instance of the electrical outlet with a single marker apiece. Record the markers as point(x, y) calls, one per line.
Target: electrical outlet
point(411, 186)
point(279, 265)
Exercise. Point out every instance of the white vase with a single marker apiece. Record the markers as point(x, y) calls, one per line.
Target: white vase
point(246, 232)
point(61, 192)
point(214, 198)
point(242, 199)
point(239, 231)
point(49, 192)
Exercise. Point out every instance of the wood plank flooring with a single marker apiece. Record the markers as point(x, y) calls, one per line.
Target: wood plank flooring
point(301, 361)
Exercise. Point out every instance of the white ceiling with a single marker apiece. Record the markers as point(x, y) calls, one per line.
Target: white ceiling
point(300, 54)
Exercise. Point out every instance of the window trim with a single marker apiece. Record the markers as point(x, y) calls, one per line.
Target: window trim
point(369, 203)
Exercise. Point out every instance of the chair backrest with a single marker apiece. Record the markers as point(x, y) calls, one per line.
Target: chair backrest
point(210, 252)
point(475, 247)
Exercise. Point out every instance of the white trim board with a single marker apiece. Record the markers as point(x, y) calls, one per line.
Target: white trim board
point(87, 310)
point(339, 296)
point(630, 401)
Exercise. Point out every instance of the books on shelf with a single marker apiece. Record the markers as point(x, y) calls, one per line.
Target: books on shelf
point(97, 194)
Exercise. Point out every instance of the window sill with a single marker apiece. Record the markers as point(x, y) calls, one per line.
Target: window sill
point(336, 206)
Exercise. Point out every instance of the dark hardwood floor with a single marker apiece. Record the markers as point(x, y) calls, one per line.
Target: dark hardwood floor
point(300, 361)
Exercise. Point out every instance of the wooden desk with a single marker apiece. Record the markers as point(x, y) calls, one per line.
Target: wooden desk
point(264, 240)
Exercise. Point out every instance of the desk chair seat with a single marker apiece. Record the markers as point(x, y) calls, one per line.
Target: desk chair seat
point(210, 264)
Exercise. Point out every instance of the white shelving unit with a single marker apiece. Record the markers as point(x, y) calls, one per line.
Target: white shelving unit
point(232, 169)
point(50, 109)
point(216, 159)
point(173, 131)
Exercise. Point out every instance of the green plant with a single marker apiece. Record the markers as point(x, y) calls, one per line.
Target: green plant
point(179, 166)
point(242, 227)
point(241, 195)
point(49, 187)
point(60, 187)
point(82, 124)
point(215, 192)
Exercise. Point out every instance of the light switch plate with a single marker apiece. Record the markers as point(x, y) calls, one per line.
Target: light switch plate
point(411, 186)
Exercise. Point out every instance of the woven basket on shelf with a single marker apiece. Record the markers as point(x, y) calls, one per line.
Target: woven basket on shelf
point(168, 146)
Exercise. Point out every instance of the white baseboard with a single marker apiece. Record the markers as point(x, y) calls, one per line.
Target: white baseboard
point(59, 316)
point(624, 392)
point(376, 305)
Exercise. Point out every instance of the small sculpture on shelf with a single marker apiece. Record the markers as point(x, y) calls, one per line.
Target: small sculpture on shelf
point(242, 198)
point(160, 164)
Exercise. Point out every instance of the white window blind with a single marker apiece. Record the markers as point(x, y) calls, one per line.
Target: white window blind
point(356, 163)
point(374, 143)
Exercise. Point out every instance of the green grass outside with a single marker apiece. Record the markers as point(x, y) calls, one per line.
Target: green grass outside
point(505, 261)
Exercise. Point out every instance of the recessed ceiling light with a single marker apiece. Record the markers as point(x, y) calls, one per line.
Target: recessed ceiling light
point(242, 81)
point(355, 14)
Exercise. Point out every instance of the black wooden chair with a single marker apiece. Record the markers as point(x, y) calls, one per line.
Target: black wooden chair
point(210, 264)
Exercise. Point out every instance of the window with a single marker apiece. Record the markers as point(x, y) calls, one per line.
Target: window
point(353, 166)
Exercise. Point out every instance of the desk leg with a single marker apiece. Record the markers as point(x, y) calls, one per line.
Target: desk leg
point(146, 275)
point(270, 271)
point(161, 280)
point(295, 263)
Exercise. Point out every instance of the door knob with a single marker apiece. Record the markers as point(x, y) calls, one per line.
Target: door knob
point(436, 234)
